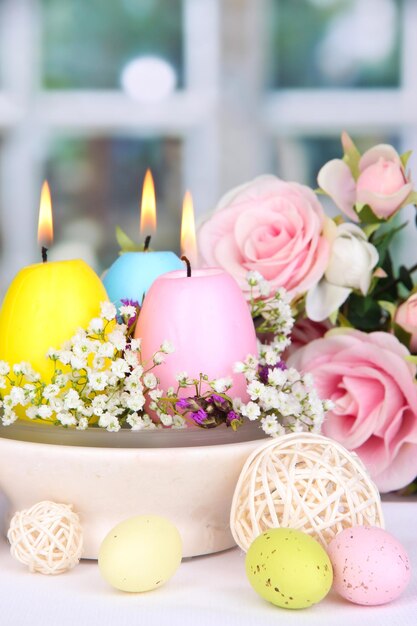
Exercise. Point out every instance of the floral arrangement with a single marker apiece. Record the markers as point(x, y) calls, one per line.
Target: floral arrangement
point(356, 314)
point(100, 379)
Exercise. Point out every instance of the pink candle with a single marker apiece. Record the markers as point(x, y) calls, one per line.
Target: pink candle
point(206, 318)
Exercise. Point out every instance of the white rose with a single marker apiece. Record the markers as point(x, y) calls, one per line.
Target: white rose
point(351, 263)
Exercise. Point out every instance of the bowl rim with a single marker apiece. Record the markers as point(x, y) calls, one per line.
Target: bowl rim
point(31, 432)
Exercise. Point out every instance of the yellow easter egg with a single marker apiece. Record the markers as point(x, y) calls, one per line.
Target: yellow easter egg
point(289, 568)
point(140, 554)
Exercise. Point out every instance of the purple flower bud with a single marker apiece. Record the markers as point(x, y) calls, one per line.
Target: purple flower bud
point(199, 416)
point(182, 404)
point(231, 417)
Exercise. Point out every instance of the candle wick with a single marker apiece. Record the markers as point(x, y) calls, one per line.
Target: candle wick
point(188, 264)
point(44, 254)
point(146, 244)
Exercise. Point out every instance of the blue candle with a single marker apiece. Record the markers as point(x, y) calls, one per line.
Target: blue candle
point(132, 274)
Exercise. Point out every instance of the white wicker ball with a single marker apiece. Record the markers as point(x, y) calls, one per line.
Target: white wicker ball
point(303, 481)
point(47, 537)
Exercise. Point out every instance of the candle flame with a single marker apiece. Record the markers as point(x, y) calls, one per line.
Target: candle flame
point(148, 206)
point(45, 224)
point(188, 237)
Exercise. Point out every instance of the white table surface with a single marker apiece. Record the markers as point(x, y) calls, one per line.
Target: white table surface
point(210, 590)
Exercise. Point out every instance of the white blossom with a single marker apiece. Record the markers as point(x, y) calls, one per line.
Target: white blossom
point(127, 310)
point(106, 350)
point(53, 354)
point(65, 356)
point(255, 389)
point(221, 385)
point(31, 412)
point(264, 288)
point(118, 339)
point(182, 377)
point(135, 344)
point(50, 391)
point(277, 377)
point(120, 368)
point(178, 422)
point(250, 410)
point(9, 417)
point(99, 404)
point(167, 347)
point(82, 423)
point(98, 380)
point(254, 278)
point(135, 421)
point(158, 358)
point(66, 418)
point(109, 422)
point(270, 398)
point(149, 380)
point(108, 311)
point(4, 368)
point(44, 411)
point(270, 424)
point(166, 419)
point(98, 362)
point(135, 402)
point(96, 325)
point(131, 358)
point(17, 396)
point(72, 399)
point(77, 362)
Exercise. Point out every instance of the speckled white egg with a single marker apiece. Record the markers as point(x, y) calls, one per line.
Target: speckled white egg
point(370, 566)
point(140, 554)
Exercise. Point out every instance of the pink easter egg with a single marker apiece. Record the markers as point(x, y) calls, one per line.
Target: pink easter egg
point(370, 566)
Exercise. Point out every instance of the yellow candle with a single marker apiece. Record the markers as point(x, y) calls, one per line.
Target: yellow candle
point(44, 306)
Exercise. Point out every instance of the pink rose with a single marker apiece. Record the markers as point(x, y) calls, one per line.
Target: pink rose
point(377, 179)
point(406, 317)
point(269, 226)
point(374, 393)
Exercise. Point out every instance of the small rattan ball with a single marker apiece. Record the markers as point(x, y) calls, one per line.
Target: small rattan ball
point(303, 481)
point(47, 537)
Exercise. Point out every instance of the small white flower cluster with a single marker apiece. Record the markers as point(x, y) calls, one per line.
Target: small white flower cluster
point(99, 379)
point(282, 399)
point(272, 315)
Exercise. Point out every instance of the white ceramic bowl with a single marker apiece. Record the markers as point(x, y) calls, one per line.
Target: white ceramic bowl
point(187, 476)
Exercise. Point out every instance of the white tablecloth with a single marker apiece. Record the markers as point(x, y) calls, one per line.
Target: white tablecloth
point(210, 590)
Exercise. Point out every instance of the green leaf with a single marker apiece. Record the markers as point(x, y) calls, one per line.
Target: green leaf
point(410, 199)
point(402, 335)
point(411, 358)
point(369, 229)
point(404, 157)
point(351, 155)
point(405, 277)
point(367, 216)
point(364, 313)
point(125, 242)
point(333, 317)
point(343, 321)
point(388, 306)
point(383, 242)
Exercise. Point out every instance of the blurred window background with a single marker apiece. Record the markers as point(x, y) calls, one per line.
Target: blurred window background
point(206, 93)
